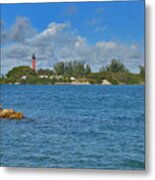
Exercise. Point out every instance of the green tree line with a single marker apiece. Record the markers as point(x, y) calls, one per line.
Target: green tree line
point(115, 73)
point(72, 68)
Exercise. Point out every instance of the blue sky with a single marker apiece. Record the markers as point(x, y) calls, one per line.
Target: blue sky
point(121, 23)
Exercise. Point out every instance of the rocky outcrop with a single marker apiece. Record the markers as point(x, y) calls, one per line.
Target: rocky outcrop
point(10, 114)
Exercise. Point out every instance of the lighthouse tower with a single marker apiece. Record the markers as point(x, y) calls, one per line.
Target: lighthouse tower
point(34, 62)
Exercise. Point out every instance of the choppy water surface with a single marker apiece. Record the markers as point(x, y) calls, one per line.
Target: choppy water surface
point(74, 126)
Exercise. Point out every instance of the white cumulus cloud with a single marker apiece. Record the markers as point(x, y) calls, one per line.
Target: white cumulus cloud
point(59, 42)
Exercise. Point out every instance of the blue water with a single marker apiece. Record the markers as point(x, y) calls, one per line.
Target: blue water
point(74, 126)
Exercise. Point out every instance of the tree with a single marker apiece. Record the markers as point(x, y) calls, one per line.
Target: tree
point(142, 70)
point(68, 70)
point(78, 69)
point(87, 69)
point(59, 68)
point(41, 72)
point(18, 72)
point(102, 69)
point(71, 68)
point(116, 66)
point(44, 72)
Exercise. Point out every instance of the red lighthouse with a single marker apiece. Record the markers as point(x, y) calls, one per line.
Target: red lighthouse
point(33, 62)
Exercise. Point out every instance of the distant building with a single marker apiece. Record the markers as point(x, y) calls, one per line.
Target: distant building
point(24, 77)
point(72, 78)
point(34, 62)
point(56, 77)
point(43, 76)
point(52, 77)
point(60, 77)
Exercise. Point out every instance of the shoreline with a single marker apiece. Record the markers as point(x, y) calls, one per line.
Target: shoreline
point(104, 82)
point(76, 84)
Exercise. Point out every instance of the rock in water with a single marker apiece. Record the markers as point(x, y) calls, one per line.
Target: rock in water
point(10, 114)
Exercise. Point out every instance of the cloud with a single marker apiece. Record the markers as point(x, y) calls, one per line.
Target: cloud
point(131, 57)
point(52, 30)
point(19, 31)
point(101, 29)
point(3, 33)
point(59, 42)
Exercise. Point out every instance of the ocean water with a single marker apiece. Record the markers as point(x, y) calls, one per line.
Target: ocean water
point(74, 126)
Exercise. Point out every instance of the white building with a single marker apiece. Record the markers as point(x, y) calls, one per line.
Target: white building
point(56, 77)
point(24, 77)
point(72, 78)
point(43, 76)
